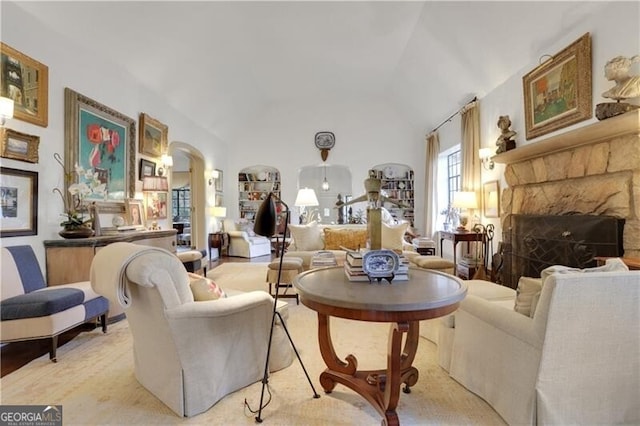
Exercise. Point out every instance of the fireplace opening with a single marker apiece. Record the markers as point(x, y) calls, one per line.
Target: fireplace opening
point(532, 243)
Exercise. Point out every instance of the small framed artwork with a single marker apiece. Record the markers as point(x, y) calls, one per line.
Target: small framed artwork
point(135, 212)
point(157, 205)
point(153, 136)
point(100, 138)
point(218, 180)
point(491, 199)
point(18, 202)
point(19, 146)
point(147, 168)
point(558, 92)
point(26, 81)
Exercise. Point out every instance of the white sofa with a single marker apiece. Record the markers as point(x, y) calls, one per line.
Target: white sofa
point(187, 353)
point(243, 242)
point(576, 361)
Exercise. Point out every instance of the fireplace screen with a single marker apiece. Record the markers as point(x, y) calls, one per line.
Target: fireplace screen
point(533, 242)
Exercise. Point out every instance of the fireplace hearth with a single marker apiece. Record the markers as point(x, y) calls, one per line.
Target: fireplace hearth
point(532, 243)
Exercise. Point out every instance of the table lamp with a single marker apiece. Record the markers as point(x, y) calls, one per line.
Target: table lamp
point(466, 201)
point(219, 212)
point(306, 198)
point(265, 225)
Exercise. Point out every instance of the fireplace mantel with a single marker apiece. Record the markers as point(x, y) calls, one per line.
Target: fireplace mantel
point(628, 123)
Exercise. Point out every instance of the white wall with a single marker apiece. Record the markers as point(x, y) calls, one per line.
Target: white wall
point(100, 79)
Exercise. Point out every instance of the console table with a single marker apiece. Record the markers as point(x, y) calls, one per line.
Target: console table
point(426, 295)
point(457, 236)
point(60, 253)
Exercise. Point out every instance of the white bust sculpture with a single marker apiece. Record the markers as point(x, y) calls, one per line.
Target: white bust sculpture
point(627, 86)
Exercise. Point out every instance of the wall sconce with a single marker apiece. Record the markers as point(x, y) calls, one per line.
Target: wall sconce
point(6, 109)
point(485, 158)
point(166, 161)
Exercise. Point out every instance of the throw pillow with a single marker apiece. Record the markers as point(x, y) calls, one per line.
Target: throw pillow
point(353, 239)
point(528, 290)
point(246, 226)
point(204, 289)
point(393, 236)
point(307, 237)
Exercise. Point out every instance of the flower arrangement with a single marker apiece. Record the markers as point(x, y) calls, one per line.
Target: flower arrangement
point(88, 184)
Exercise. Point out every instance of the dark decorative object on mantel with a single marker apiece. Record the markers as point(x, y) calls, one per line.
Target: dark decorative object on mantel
point(627, 86)
point(505, 141)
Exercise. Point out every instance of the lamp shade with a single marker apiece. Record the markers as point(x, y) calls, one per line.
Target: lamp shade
point(265, 223)
point(484, 153)
point(306, 198)
point(465, 200)
point(166, 160)
point(6, 107)
point(219, 211)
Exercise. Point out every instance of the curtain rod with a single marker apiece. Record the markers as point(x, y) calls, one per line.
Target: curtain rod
point(475, 98)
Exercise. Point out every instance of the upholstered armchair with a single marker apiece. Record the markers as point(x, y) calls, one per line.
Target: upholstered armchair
point(575, 360)
point(187, 353)
point(243, 242)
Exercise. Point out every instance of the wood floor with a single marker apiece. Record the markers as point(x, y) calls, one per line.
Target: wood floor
point(16, 355)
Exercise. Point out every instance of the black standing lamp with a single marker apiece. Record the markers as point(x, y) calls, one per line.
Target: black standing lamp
point(265, 225)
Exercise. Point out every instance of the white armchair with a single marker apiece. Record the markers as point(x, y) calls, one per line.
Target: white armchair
point(243, 242)
point(188, 354)
point(576, 361)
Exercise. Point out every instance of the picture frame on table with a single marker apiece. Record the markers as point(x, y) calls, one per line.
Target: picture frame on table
point(491, 199)
point(147, 168)
point(153, 137)
point(19, 146)
point(31, 103)
point(18, 202)
point(100, 138)
point(558, 92)
point(134, 209)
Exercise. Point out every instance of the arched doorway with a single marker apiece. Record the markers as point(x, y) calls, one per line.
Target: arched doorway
point(196, 167)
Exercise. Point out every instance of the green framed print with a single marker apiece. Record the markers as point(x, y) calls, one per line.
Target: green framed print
point(18, 202)
point(100, 138)
point(26, 81)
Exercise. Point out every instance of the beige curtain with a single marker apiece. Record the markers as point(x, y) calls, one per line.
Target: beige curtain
point(431, 184)
point(470, 119)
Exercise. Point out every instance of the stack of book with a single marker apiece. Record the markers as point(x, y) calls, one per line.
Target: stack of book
point(323, 258)
point(353, 266)
point(403, 270)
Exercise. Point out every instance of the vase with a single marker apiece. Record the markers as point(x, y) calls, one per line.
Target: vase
point(81, 232)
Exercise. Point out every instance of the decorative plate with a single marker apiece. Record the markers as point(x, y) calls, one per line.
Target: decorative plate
point(389, 172)
point(380, 264)
point(401, 185)
point(325, 140)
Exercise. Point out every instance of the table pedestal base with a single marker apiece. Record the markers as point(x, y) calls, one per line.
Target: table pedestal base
point(380, 387)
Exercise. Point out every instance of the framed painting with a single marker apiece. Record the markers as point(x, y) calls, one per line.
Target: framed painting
point(100, 138)
point(491, 199)
point(147, 168)
point(157, 205)
point(18, 202)
point(26, 81)
point(135, 212)
point(19, 146)
point(218, 180)
point(558, 92)
point(153, 136)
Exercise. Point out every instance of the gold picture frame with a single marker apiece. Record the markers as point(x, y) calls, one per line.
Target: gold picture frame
point(135, 212)
point(558, 92)
point(19, 146)
point(31, 100)
point(153, 137)
point(491, 199)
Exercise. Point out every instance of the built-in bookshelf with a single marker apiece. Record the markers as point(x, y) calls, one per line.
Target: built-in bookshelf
point(397, 183)
point(254, 184)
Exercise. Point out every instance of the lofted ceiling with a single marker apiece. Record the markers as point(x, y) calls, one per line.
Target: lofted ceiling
point(223, 63)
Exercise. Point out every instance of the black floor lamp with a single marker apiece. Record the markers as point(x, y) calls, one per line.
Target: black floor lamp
point(265, 225)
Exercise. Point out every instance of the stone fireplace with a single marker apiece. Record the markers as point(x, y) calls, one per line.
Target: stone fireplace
point(593, 170)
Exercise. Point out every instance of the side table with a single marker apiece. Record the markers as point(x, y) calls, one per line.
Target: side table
point(220, 241)
point(455, 237)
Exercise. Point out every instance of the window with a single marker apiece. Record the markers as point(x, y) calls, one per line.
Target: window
point(453, 173)
point(181, 198)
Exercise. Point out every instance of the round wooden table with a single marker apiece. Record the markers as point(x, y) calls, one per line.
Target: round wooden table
point(427, 294)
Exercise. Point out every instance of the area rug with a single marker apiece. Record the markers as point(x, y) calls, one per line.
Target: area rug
point(94, 381)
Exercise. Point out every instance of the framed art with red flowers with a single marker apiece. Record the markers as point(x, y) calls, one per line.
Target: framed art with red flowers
point(101, 140)
point(153, 136)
